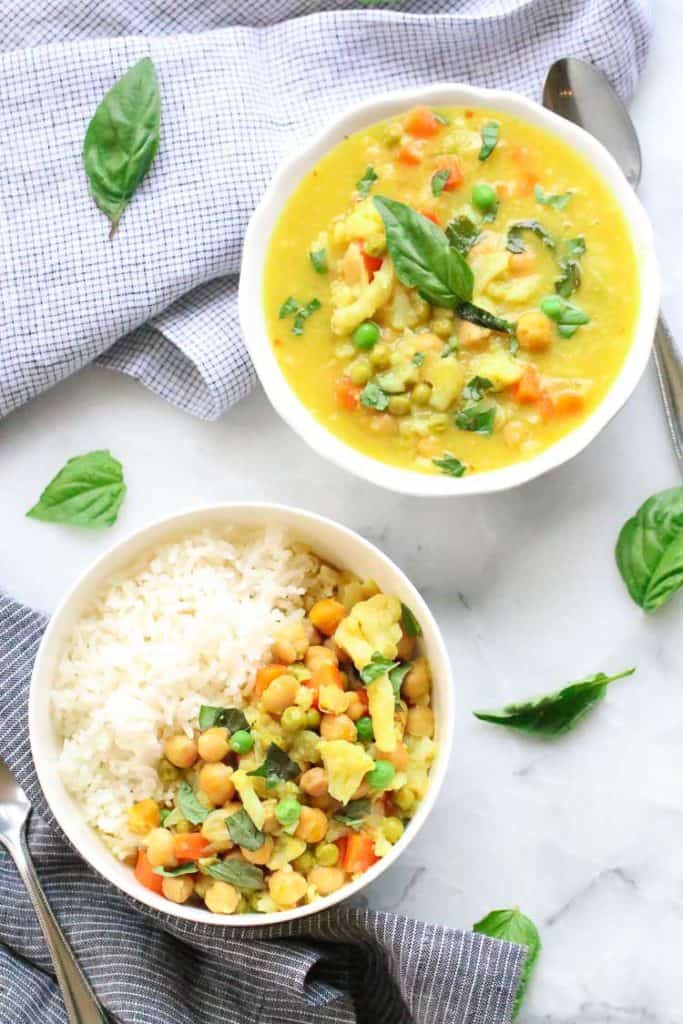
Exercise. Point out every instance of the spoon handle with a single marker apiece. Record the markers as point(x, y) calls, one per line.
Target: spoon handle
point(82, 1005)
point(670, 373)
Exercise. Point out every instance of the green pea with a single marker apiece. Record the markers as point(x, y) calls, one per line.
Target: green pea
point(327, 854)
point(553, 307)
point(364, 729)
point(380, 355)
point(381, 776)
point(313, 718)
point(421, 394)
point(484, 197)
point(399, 405)
point(392, 829)
point(288, 811)
point(183, 826)
point(241, 741)
point(293, 719)
point(366, 335)
point(405, 798)
point(304, 863)
point(360, 372)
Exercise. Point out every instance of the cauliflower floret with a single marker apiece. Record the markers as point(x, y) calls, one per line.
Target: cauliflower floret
point(364, 222)
point(487, 268)
point(346, 317)
point(521, 290)
point(287, 849)
point(346, 764)
point(372, 625)
point(499, 367)
point(381, 703)
point(252, 804)
point(407, 309)
point(446, 377)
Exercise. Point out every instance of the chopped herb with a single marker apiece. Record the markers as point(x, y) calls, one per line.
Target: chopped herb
point(243, 831)
point(243, 876)
point(490, 134)
point(87, 491)
point(482, 317)
point(418, 359)
point(396, 677)
point(441, 118)
point(277, 767)
point(566, 315)
point(650, 550)
point(303, 315)
point(462, 233)
point(373, 397)
point(189, 868)
point(491, 213)
point(439, 181)
point(319, 260)
point(513, 345)
point(475, 388)
point(288, 308)
point(411, 627)
point(450, 465)
point(233, 719)
point(557, 202)
point(376, 667)
point(570, 268)
point(364, 184)
point(514, 242)
point(189, 805)
point(476, 419)
point(352, 815)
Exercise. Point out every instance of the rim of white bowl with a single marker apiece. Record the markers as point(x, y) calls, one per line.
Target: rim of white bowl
point(292, 410)
point(65, 809)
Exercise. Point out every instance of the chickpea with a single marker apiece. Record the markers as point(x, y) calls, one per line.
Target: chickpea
point(406, 647)
point(399, 405)
point(215, 830)
point(213, 744)
point(202, 884)
point(421, 393)
point(317, 656)
point(160, 848)
point(521, 263)
point(287, 887)
point(215, 780)
point(180, 751)
point(534, 331)
point(442, 327)
point(314, 782)
point(417, 682)
point(357, 707)
point(260, 856)
point(383, 423)
point(473, 336)
point(291, 642)
point(270, 822)
point(312, 825)
point(326, 880)
point(337, 727)
point(420, 722)
point(325, 803)
point(222, 898)
point(398, 757)
point(178, 890)
point(279, 695)
point(515, 433)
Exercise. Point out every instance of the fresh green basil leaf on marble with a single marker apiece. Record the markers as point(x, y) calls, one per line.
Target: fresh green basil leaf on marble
point(649, 550)
point(87, 491)
point(513, 926)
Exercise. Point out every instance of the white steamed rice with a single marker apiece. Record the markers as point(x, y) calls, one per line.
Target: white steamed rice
point(187, 625)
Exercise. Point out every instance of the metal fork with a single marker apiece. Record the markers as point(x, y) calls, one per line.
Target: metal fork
point(82, 1005)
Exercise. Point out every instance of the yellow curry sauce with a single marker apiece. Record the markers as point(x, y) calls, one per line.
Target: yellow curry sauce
point(410, 382)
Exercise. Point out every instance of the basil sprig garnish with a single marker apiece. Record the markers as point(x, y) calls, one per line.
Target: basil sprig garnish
point(291, 307)
point(482, 318)
point(277, 767)
point(513, 926)
point(396, 677)
point(476, 388)
point(376, 667)
point(122, 140)
point(476, 419)
point(555, 713)
point(650, 550)
point(365, 183)
point(570, 268)
point(233, 719)
point(422, 256)
point(243, 831)
point(189, 805)
point(514, 241)
point(450, 465)
point(373, 397)
point(87, 491)
point(411, 627)
point(490, 134)
point(244, 876)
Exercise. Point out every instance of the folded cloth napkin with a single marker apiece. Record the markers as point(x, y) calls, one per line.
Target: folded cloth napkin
point(343, 965)
point(250, 83)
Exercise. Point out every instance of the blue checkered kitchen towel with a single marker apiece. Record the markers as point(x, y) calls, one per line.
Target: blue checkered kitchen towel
point(248, 84)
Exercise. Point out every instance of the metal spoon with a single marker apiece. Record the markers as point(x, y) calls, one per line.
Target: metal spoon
point(580, 92)
point(82, 1006)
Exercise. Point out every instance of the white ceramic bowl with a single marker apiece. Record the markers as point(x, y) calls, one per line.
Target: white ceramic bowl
point(289, 406)
point(335, 543)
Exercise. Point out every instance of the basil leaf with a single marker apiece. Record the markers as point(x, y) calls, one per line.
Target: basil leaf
point(277, 767)
point(183, 869)
point(376, 667)
point(439, 181)
point(353, 814)
point(476, 419)
point(373, 397)
point(364, 185)
point(482, 317)
point(555, 713)
point(441, 118)
point(462, 233)
point(422, 257)
point(418, 359)
point(450, 465)
point(288, 308)
point(490, 134)
point(233, 719)
point(122, 140)
point(87, 491)
point(396, 677)
point(650, 550)
point(189, 805)
point(570, 268)
point(563, 313)
point(319, 260)
point(243, 831)
point(303, 315)
point(476, 388)
point(513, 926)
point(238, 873)
point(557, 202)
point(411, 627)
point(514, 242)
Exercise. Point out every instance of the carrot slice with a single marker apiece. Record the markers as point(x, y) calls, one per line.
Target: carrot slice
point(348, 394)
point(568, 403)
point(265, 676)
point(452, 165)
point(326, 615)
point(422, 123)
point(190, 846)
point(408, 154)
point(359, 854)
point(372, 263)
point(528, 388)
point(430, 215)
point(145, 874)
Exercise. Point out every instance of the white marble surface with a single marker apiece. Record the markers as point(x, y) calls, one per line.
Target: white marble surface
point(585, 835)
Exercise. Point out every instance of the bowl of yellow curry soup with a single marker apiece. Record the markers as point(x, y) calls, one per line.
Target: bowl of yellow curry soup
point(241, 714)
point(449, 290)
